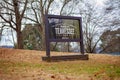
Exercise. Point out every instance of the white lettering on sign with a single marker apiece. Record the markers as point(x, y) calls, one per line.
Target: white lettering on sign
point(64, 30)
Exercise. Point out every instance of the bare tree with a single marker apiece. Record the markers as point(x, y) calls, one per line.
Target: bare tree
point(92, 21)
point(12, 12)
point(110, 38)
point(39, 9)
point(97, 20)
point(113, 9)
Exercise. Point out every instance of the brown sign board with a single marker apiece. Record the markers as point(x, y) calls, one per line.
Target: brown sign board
point(63, 29)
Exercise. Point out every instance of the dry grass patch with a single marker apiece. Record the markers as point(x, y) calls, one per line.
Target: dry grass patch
point(18, 64)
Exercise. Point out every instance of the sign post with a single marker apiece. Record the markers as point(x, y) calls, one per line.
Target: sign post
point(63, 29)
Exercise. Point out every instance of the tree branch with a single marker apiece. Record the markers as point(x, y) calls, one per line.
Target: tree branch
point(25, 6)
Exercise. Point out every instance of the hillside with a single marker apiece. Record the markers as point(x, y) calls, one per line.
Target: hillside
point(18, 64)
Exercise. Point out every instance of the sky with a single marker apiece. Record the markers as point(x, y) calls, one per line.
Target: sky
point(7, 39)
point(100, 2)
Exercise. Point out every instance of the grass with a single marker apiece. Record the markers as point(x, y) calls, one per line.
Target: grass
point(27, 65)
point(67, 68)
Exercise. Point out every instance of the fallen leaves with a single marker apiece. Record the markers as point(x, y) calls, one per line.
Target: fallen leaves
point(24, 72)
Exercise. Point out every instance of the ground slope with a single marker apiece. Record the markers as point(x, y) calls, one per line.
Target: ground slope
point(18, 64)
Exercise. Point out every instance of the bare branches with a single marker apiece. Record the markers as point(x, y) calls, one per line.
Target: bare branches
point(6, 1)
point(65, 2)
point(35, 13)
point(92, 21)
point(8, 21)
point(25, 6)
point(12, 13)
point(49, 3)
point(31, 19)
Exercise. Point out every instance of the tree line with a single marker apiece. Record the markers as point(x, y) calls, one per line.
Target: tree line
point(96, 21)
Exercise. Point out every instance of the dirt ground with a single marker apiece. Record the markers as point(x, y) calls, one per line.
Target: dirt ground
point(32, 56)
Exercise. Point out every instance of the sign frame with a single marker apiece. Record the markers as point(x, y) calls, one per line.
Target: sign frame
point(47, 37)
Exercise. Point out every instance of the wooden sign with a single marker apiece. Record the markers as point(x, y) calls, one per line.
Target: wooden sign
point(63, 29)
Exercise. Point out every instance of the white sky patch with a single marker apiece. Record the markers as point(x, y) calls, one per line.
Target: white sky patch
point(7, 38)
point(100, 2)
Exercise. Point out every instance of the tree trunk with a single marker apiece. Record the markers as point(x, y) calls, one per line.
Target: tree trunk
point(43, 41)
point(19, 40)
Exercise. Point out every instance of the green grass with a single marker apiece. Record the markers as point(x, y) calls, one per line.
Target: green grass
point(67, 68)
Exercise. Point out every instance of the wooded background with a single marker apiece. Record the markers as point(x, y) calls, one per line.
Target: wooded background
point(25, 18)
